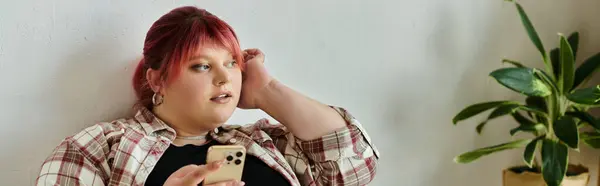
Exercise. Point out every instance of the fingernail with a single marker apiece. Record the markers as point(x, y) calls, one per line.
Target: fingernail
point(219, 163)
point(241, 183)
point(215, 165)
point(198, 173)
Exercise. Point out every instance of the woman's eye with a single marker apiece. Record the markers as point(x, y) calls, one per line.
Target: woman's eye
point(201, 67)
point(231, 64)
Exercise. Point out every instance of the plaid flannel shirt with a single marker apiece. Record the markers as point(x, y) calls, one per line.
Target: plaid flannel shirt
point(123, 152)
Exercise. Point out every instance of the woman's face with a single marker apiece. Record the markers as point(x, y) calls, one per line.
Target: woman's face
point(207, 90)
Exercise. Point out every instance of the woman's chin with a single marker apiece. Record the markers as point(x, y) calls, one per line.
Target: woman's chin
point(221, 115)
point(212, 118)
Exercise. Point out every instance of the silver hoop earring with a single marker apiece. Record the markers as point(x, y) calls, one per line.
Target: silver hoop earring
point(157, 99)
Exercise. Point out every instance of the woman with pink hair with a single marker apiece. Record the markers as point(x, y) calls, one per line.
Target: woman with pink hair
point(192, 77)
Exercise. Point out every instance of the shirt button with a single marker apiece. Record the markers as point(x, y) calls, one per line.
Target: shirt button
point(232, 140)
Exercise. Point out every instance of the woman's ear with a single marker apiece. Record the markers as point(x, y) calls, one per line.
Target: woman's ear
point(154, 80)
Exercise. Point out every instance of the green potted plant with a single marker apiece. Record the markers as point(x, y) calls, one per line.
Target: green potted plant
point(554, 112)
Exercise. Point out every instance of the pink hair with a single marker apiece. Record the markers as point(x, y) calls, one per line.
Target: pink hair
point(171, 41)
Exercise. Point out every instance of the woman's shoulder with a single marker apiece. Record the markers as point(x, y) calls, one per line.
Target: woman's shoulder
point(92, 144)
point(102, 133)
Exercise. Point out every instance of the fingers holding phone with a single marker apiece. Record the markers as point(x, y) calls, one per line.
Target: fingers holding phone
point(232, 168)
point(192, 175)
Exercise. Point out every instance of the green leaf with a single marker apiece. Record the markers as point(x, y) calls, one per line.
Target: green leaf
point(591, 138)
point(528, 128)
point(586, 117)
point(499, 111)
point(566, 76)
point(521, 80)
point(529, 153)
point(539, 103)
point(480, 126)
point(554, 162)
point(546, 79)
point(533, 110)
point(531, 31)
point(515, 63)
point(475, 109)
point(476, 154)
point(586, 96)
point(586, 69)
point(526, 125)
point(574, 42)
point(555, 59)
point(579, 107)
point(566, 130)
point(522, 120)
point(536, 102)
point(503, 110)
point(555, 54)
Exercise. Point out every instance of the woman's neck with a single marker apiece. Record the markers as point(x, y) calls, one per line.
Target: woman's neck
point(182, 142)
point(182, 127)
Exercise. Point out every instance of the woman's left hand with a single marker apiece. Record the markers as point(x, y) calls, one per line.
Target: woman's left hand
point(255, 78)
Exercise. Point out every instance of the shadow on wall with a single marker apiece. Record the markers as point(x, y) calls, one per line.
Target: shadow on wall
point(455, 57)
point(462, 55)
point(93, 84)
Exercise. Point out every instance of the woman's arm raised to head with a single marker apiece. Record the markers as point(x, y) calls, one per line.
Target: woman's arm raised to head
point(342, 156)
point(338, 149)
point(306, 118)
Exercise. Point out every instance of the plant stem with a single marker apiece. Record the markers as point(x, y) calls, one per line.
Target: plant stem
point(566, 105)
point(562, 106)
point(552, 104)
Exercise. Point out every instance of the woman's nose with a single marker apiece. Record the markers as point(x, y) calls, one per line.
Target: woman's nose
point(222, 76)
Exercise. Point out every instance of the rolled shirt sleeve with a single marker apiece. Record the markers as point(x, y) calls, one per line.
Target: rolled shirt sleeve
point(343, 157)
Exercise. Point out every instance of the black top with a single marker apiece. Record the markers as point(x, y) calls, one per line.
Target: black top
point(256, 172)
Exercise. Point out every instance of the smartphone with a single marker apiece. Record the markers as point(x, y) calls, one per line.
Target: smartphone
point(233, 166)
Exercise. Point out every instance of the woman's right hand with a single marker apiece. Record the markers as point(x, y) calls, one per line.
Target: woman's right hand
point(192, 175)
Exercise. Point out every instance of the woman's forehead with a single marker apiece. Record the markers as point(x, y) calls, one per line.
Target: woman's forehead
point(211, 52)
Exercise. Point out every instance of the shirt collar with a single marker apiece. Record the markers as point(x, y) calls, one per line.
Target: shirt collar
point(151, 124)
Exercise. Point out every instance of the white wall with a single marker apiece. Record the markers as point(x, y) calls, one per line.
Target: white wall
point(404, 68)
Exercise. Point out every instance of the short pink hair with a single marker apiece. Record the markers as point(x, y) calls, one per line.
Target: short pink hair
point(173, 39)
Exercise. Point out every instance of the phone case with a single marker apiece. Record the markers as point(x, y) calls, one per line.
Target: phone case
point(233, 166)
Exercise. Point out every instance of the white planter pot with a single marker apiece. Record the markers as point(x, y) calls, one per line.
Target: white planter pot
point(577, 176)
